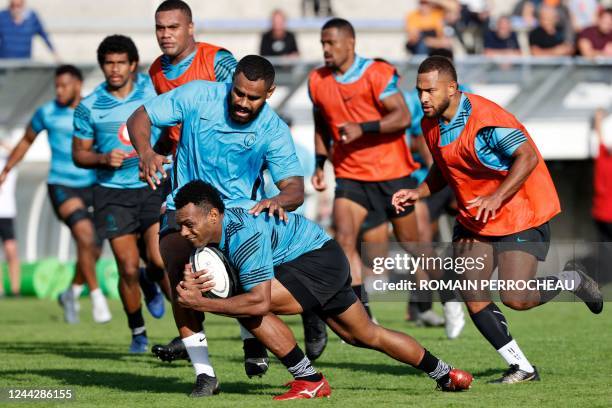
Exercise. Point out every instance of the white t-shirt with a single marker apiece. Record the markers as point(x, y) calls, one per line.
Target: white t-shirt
point(8, 208)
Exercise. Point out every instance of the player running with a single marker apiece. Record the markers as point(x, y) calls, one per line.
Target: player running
point(125, 207)
point(285, 266)
point(228, 135)
point(184, 60)
point(506, 199)
point(70, 188)
point(358, 107)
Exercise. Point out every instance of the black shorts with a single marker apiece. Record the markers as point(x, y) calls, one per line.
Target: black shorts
point(534, 241)
point(166, 187)
point(319, 280)
point(125, 211)
point(168, 224)
point(7, 229)
point(375, 197)
point(59, 194)
point(440, 203)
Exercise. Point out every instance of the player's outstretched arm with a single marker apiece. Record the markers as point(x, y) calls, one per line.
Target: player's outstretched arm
point(407, 197)
point(18, 152)
point(291, 196)
point(256, 302)
point(151, 163)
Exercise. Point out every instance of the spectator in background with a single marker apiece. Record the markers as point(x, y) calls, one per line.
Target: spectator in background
point(583, 13)
point(548, 39)
point(278, 41)
point(425, 28)
point(528, 12)
point(8, 212)
point(318, 8)
point(18, 25)
point(502, 40)
point(596, 41)
point(473, 23)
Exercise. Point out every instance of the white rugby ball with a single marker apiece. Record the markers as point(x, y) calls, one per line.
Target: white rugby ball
point(212, 260)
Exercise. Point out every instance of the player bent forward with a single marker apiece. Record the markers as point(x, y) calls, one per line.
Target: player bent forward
point(285, 268)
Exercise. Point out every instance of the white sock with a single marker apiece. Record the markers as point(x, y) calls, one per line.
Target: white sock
point(197, 348)
point(77, 290)
point(570, 279)
point(512, 353)
point(97, 296)
point(244, 333)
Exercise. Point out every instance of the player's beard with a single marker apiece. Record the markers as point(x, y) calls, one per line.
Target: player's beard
point(438, 111)
point(252, 116)
point(68, 102)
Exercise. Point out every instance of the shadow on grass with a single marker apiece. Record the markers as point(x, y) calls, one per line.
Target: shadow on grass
point(375, 368)
point(80, 350)
point(72, 350)
point(489, 372)
point(132, 382)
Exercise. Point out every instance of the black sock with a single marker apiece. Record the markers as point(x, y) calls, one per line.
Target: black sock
point(362, 294)
point(548, 295)
point(148, 287)
point(300, 366)
point(420, 300)
point(434, 367)
point(447, 295)
point(492, 324)
point(253, 348)
point(136, 322)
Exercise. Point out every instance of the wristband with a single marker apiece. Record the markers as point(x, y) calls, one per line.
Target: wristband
point(320, 160)
point(370, 127)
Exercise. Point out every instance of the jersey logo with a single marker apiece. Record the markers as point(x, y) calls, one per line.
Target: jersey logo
point(123, 135)
point(249, 140)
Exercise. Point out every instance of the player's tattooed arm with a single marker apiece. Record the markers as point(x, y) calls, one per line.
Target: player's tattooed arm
point(83, 155)
point(256, 302)
point(291, 196)
point(525, 160)
point(18, 152)
point(151, 163)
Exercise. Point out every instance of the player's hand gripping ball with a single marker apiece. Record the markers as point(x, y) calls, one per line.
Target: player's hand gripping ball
point(225, 278)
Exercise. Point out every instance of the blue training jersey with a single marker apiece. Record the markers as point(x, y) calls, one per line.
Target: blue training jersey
point(255, 245)
point(57, 121)
point(101, 116)
point(214, 148)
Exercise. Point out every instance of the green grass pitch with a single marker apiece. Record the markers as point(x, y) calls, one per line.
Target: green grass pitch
point(571, 347)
